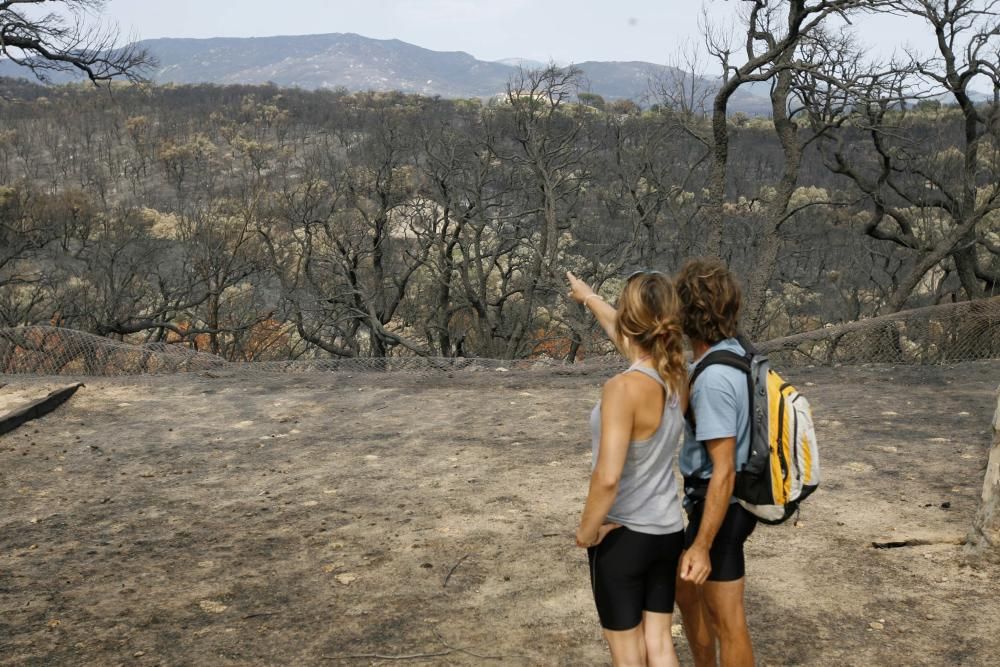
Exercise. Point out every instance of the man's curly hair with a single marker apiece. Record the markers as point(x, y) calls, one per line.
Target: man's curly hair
point(710, 300)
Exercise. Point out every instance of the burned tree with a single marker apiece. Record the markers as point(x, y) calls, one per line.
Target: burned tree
point(776, 43)
point(537, 135)
point(986, 526)
point(49, 36)
point(934, 193)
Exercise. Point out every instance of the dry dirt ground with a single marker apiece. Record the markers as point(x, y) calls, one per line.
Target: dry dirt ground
point(301, 520)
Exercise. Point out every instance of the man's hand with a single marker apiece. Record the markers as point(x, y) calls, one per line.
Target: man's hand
point(578, 290)
point(695, 565)
point(602, 532)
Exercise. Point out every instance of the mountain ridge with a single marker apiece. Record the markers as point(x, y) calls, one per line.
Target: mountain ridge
point(358, 63)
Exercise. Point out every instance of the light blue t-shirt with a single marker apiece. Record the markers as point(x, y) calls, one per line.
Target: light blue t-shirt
point(721, 409)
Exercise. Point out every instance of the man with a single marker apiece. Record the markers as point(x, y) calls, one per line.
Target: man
point(712, 574)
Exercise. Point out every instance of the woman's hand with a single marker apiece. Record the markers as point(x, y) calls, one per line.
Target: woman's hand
point(605, 313)
point(578, 290)
point(584, 541)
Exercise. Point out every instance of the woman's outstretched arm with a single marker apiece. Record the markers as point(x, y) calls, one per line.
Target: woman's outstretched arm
point(605, 313)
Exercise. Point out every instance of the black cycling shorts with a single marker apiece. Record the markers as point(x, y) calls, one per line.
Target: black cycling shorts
point(726, 554)
point(631, 572)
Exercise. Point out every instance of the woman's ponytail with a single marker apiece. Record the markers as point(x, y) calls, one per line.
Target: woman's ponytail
point(668, 353)
point(650, 314)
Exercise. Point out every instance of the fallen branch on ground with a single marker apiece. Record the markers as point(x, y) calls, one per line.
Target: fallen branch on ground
point(453, 568)
point(448, 650)
point(381, 656)
point(916, 543)
point(473, 653)
point(36, 409)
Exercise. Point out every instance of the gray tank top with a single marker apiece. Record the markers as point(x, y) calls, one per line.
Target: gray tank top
point(647, 500)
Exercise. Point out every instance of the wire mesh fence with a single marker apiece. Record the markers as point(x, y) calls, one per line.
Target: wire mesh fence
point(947, 333)
point(51, 351)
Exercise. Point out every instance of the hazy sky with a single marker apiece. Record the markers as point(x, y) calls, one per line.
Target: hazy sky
point(561, 30)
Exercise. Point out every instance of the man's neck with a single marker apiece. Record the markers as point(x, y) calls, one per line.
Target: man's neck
point(699, 348)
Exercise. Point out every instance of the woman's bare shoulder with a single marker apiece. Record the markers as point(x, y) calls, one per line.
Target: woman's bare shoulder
point(629, 386)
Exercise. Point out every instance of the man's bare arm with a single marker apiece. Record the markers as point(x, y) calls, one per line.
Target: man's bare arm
point(696, 565)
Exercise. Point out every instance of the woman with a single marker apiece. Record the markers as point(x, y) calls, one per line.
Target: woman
point(631, 524)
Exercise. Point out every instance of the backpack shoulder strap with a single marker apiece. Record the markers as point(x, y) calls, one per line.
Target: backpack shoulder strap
point(723, 358)
point(747, 345)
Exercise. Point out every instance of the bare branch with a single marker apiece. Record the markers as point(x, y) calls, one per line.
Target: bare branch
point(70, 40)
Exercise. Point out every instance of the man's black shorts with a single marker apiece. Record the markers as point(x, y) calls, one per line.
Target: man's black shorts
point(726, 553)
point(631, 572)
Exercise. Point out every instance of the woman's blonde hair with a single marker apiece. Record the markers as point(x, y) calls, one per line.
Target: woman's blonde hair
point(649, 314)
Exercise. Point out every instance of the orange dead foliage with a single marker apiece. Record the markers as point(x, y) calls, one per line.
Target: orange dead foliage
point(198, 342)
point(265, 336)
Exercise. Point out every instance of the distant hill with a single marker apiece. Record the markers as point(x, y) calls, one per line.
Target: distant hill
point(20, 88)
point(360, 63)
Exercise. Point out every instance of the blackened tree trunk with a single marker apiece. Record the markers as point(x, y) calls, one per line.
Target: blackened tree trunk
point(985, 536)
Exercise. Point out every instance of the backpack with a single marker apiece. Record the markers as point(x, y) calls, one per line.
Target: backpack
point(782, 469)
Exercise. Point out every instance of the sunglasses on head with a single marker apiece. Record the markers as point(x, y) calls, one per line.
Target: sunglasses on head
point(643, 272)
